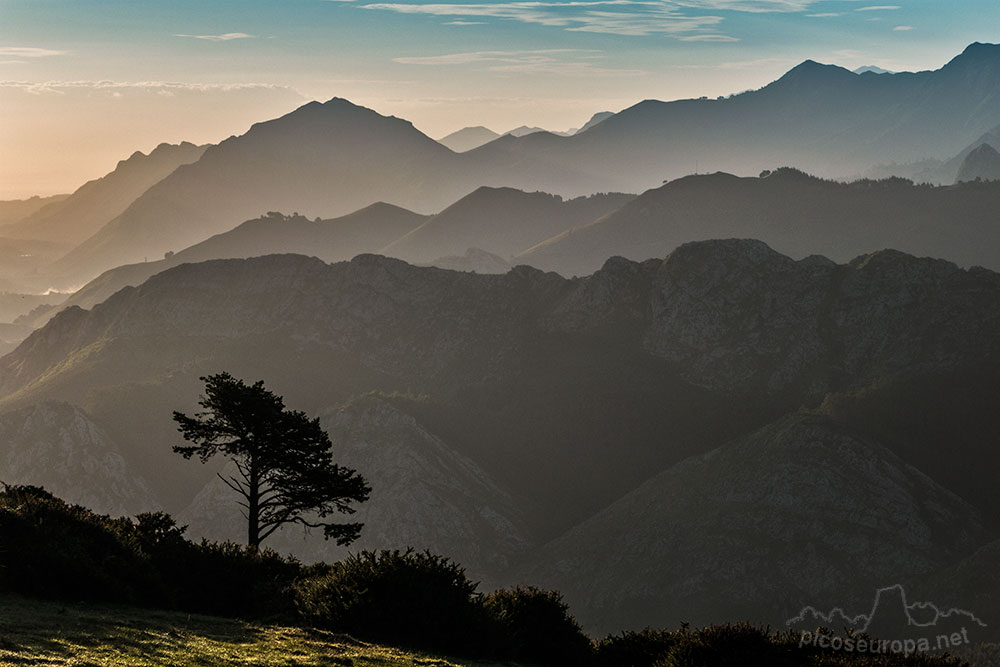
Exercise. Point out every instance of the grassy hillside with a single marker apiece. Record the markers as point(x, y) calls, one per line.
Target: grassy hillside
point(34, 632)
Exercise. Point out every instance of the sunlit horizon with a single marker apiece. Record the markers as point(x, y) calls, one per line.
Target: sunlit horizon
point(85, 84)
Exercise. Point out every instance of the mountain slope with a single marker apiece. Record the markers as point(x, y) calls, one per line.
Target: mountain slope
point(57, 446)
point(333, 240)
point(982, 163)
point(468, 138)
point(97, 202)
point(799, 512)
point(501, 221)
point(797, 214)
point(327, 159)
point(820, 118)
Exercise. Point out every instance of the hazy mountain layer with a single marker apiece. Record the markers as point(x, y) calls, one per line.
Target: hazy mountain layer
point(468, 138)
point(94, 204)
point(15, 210)
point(982, 163)
point(333, 158)
point(333, 240)
point(797, 214)
point(502, 221)
point(321, 159)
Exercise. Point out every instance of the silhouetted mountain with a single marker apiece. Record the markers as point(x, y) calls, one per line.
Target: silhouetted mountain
point(797, 214)
point(502, 221)
point(334, 240)
point(97, 202)
point(598, 117)
point(871, 68)
point(932, 170)
point(468, 138)
point(982, 163)
point(15, 210)
point(327, 159)
point(821, 118)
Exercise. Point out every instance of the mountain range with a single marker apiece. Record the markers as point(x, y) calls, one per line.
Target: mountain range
point(780, 432)
point(334, 158)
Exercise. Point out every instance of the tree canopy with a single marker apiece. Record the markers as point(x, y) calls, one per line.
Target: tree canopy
point(285, 469)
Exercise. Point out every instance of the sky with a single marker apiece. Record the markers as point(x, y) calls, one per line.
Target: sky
point(85, 83)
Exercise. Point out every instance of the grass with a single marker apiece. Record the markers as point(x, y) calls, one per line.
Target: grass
point(34, 632)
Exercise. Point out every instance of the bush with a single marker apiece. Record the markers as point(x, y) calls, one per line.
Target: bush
point(740, 645)
point(634, 649)
point(59, 551)
point(534, 625)
point(407, 598)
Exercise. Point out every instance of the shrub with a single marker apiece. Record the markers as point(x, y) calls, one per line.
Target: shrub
point(59, 551)
point(414, 599)
point(534, 625)
point(634, 649)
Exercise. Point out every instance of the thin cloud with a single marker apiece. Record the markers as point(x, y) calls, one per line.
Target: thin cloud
point(750, 6)
point(229, 36)
point(159, 87)
point(647, 18)
point(561, 62)
point(902, 28)
point(29, 52)
point(824, 15)
point(878, 8)
point(708, 38)
point(465, 22)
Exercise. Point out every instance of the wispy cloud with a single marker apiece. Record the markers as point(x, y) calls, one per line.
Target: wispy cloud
point(824, 15)
point(878, 8)
point(903, 28)
point(112, 87)
point(29, 52)
point(751, 6)
point(465, 23)
point(220, 38)
point(630, 17)
point(562, 62)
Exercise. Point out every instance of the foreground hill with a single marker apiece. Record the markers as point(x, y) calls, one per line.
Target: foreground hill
point(569, 396)
point(797, 214)
point(109, 636)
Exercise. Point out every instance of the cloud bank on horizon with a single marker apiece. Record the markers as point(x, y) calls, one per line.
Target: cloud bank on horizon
point(442, 65)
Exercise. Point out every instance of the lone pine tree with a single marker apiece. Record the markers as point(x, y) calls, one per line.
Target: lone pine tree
point(285, 469)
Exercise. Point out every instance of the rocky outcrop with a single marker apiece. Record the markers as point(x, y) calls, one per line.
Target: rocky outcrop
point(57, 446)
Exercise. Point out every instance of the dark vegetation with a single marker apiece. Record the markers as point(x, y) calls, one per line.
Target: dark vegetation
point(54, 550)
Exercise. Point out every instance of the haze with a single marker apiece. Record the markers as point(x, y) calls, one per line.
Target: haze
point(83, 84)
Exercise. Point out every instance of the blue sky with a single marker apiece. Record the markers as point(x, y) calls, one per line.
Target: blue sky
point(83, 83)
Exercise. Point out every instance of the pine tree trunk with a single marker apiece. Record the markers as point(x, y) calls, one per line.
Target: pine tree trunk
point(253, 509)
